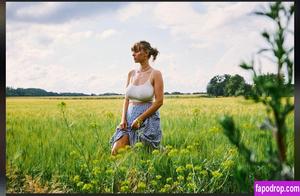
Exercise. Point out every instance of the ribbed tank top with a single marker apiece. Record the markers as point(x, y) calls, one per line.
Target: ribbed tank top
point(140, 93)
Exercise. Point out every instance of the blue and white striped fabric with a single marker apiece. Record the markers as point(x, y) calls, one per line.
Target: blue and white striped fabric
point(148, 133)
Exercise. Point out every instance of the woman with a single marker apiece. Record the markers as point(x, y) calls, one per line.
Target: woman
point(140, 117)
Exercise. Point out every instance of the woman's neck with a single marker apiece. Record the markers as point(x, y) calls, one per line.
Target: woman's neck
point(144, 66)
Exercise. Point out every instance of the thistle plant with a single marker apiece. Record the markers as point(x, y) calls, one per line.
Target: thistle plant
point(69, 125)
point(275, 94)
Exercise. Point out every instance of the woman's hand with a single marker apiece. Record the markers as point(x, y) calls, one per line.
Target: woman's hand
point(123, 125)
point(136, 124)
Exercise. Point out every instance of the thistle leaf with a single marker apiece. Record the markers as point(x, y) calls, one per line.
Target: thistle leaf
point(245, 66)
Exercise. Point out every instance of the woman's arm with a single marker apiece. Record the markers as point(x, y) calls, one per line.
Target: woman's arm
point(125, 108)
point(123, 123)
point(159, 98)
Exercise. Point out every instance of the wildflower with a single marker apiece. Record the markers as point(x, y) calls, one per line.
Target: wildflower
point(179, 188)
point(148, 162)
point(169, 147)
point(191, 186)
point(167, 186)
point(83, 166)
point(125, 182)
point(95, 162)
point(138, 145)
point(155, 152)
point(96, 171)
point(151, 169)
point(216, 174)
point(153, 183)
point(76, 178)
point(180, 169)
point(141, 186)
point(189, 147)
point(79, 184)
point(73, 153)
point(189, 166)
point(197, 168)
point(173, 152)
point(87, 187)
point(124, 188)
point(109, 172)
point(169, 180)
point(204, 173)
point(227, 164)
point(180, 178)
point(184, 151)
point(107, 190)
point(158, 177)
point(94, 182)
point(214, 129)
point(175, 184)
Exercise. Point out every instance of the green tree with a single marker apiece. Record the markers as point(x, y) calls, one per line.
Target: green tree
point(216, 86)
point(247, 90)
point(235, 86)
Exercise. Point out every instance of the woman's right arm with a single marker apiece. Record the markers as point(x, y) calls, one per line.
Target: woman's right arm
point(123, 123)
point(125, 107)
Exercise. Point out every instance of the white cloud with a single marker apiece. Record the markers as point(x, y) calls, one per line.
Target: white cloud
point(226, 28)
point(194, 45)
point(132, 10)
point(207, 28)
point(106, 34)
point(38, 10)
point(179, 17)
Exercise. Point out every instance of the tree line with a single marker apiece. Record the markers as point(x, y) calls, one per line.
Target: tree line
point(36, 92)
point(219, 85)
point(228, 85)
point(10, 91)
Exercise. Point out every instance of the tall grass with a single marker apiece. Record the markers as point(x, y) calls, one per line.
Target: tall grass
point(75, 157)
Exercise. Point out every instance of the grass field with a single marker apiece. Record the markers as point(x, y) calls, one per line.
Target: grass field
point(48, 153)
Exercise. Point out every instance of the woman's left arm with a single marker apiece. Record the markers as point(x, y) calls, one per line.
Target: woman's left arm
point(158, 85)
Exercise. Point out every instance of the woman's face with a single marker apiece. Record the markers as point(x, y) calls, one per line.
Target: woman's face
point(139, 56)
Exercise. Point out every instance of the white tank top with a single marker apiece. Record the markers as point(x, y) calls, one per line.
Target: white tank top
point(140, 93)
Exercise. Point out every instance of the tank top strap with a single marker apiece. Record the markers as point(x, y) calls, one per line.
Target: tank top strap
point(132, 77)
point(150, 77)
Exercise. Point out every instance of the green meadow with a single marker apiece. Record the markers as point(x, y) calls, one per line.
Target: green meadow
point(64, 148)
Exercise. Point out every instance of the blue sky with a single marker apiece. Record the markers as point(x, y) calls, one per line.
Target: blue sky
point(85, 47)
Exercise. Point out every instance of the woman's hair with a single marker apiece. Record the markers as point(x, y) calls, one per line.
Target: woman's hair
point(144, 45)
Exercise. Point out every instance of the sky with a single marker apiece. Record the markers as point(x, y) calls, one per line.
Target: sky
point(85, 47)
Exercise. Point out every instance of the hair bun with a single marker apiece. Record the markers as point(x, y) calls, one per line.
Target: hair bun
point(154, 53)
point(147, 47)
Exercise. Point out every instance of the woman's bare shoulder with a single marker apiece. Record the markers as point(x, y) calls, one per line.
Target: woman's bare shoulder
point(156, 72)
point(131, 72)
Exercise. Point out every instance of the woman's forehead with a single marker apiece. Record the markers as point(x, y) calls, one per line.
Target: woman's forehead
point(137, 47)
